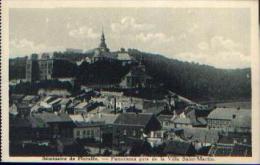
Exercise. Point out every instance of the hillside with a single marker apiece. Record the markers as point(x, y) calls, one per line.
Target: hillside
point(198, 82)
point(194, 81)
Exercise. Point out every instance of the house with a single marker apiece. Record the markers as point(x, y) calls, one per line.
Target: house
point(16, 98)
point(64, 103)
point(88, 130)
point(230, 119)
point(13, 110)
point(20, 129)
point(124, 57)
point(54, 92)
point(200, 137)
point(85, 128)
point(40, 129)
point(60, 125)
point(24, 110)
point(30, 99)
point(232, 144)
point(55, 104)
point(179, 148)
point(182, 122)
point(166, 121)
point(134, 125)
point(136, 78)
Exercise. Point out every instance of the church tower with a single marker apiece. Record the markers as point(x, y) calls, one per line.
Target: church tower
point(103, 45)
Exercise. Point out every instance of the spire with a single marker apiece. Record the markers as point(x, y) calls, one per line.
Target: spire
point(103, 45)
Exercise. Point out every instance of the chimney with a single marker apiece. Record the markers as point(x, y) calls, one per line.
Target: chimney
point(115, 105)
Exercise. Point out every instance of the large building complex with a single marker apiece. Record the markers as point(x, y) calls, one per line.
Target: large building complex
point(39, 69)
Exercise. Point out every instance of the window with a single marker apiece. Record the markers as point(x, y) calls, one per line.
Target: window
point(92, 133)
point(134, 132)
point(78, 133)
point(125, 133)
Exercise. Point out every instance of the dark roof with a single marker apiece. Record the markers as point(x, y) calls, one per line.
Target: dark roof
point(51, 117)
point(37, 122)
point(88, 124)
point(20, 123)
point(178, 148)
point(138, 119)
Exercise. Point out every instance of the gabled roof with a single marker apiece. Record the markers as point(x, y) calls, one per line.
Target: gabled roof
point(228, 113)
point(139, 119)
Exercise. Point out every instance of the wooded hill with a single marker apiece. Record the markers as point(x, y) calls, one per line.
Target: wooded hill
point(194, 81)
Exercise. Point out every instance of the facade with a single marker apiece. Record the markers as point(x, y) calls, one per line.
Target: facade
point(39, 69)
point(32, 68)
point(88, 130)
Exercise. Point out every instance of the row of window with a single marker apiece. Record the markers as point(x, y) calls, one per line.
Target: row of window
point(85, 133)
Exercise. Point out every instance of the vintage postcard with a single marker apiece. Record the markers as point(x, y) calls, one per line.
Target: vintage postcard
point(130, 81)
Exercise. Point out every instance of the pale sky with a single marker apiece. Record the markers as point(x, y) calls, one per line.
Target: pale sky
point(217, 37)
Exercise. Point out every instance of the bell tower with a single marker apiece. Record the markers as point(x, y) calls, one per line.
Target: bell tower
point(103, 45)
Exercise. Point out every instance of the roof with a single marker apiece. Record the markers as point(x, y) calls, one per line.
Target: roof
point(29, 98)
point(182, 120)
point(17, 96)
point(55, 101)
point(88, 124)
point(164, 118)
point(77, 118)
point(20, 123)
point(65, 101)
point(177, 147)
point(37, 122)
point(107, 118)
point(48, 99)
point(242, 122)
point(45, 105)
point(139, 119)
point(201, 135)
point(82, 105)
point(52, 117)
point(124, 56)
point(228, 113)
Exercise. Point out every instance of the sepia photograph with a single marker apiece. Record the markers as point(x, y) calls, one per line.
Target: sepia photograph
point(131, 82)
